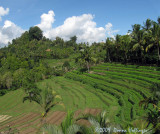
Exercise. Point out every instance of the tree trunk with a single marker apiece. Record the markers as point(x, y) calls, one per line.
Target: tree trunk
point(109, 57)
point(142, 57)
point(126, 57)
point(88, 66)
point(158, 52)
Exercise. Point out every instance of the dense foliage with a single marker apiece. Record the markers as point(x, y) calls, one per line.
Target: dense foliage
point(23, 61)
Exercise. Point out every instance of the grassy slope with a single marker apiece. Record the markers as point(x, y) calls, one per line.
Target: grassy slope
point(76, 95)
point(130, 83)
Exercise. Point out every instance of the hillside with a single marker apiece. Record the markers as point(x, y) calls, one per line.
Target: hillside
point(74, 86)
point(113, 87)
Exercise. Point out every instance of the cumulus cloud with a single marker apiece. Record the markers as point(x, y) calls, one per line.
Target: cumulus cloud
point(3, 12)
point(109, 30)
point(82, 26)
point(8, 32)
point(47, 20)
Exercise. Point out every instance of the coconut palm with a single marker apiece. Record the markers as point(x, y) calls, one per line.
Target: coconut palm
point(68, 126)
point(100, 124)
point(138, 40)
point(148, 25)
point(154, 119)
point(125, 46)
point(158, 20)
point(86, 58)
point(155, 38)
point(32, 92)
point(153, 114)
point(154, 98)
point(139, 125)
point(52, 129)
point(48, 100)
point(117, 44)
point(108, 46)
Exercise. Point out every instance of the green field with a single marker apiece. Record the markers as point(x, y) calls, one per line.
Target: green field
point(116, 88)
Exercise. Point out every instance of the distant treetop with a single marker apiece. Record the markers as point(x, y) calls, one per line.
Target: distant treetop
point(35, 33)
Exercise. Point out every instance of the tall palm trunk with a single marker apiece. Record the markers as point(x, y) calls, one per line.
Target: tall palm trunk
point(88, 66)
point(126, 58)
point(158, 51)
point(142, 58)
point(109, 56)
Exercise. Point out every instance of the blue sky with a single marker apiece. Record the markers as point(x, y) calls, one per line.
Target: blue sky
point(121, 14)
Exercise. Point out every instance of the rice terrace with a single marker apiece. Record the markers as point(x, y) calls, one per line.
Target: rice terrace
point(115, 87)
point(68, 87)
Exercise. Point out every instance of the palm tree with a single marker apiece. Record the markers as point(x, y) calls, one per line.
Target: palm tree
point(47, 100)
point(155, 37)
point(125, 46)
point(154, 99)
point(68, 126)
point(100, 124)
point(148, 25)
point(117, 44)
point(52, 129)
point(139, 40)
point(158, 20)
point(86, 57)
point(32, 92)
point(108, 46)
point(137, 129)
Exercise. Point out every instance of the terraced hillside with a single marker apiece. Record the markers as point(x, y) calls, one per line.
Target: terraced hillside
point(125, 84)
point(114, 87)
point(26, 117)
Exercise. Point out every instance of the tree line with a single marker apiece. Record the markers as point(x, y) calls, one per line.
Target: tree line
point(139, 46)
point(26, 55)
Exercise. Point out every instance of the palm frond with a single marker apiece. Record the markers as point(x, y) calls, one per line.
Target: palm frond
point(85, 116)
point(73, 129)
point(94, 122)
point(148, 47)
point(136, 46)
point(51, 129)
point(67, 122)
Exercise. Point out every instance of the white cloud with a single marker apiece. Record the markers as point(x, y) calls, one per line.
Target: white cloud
point(109, 30)
point(8, 32)
point(82, 26)
point(3, 12)
point(108, 26)
point(47, 20)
